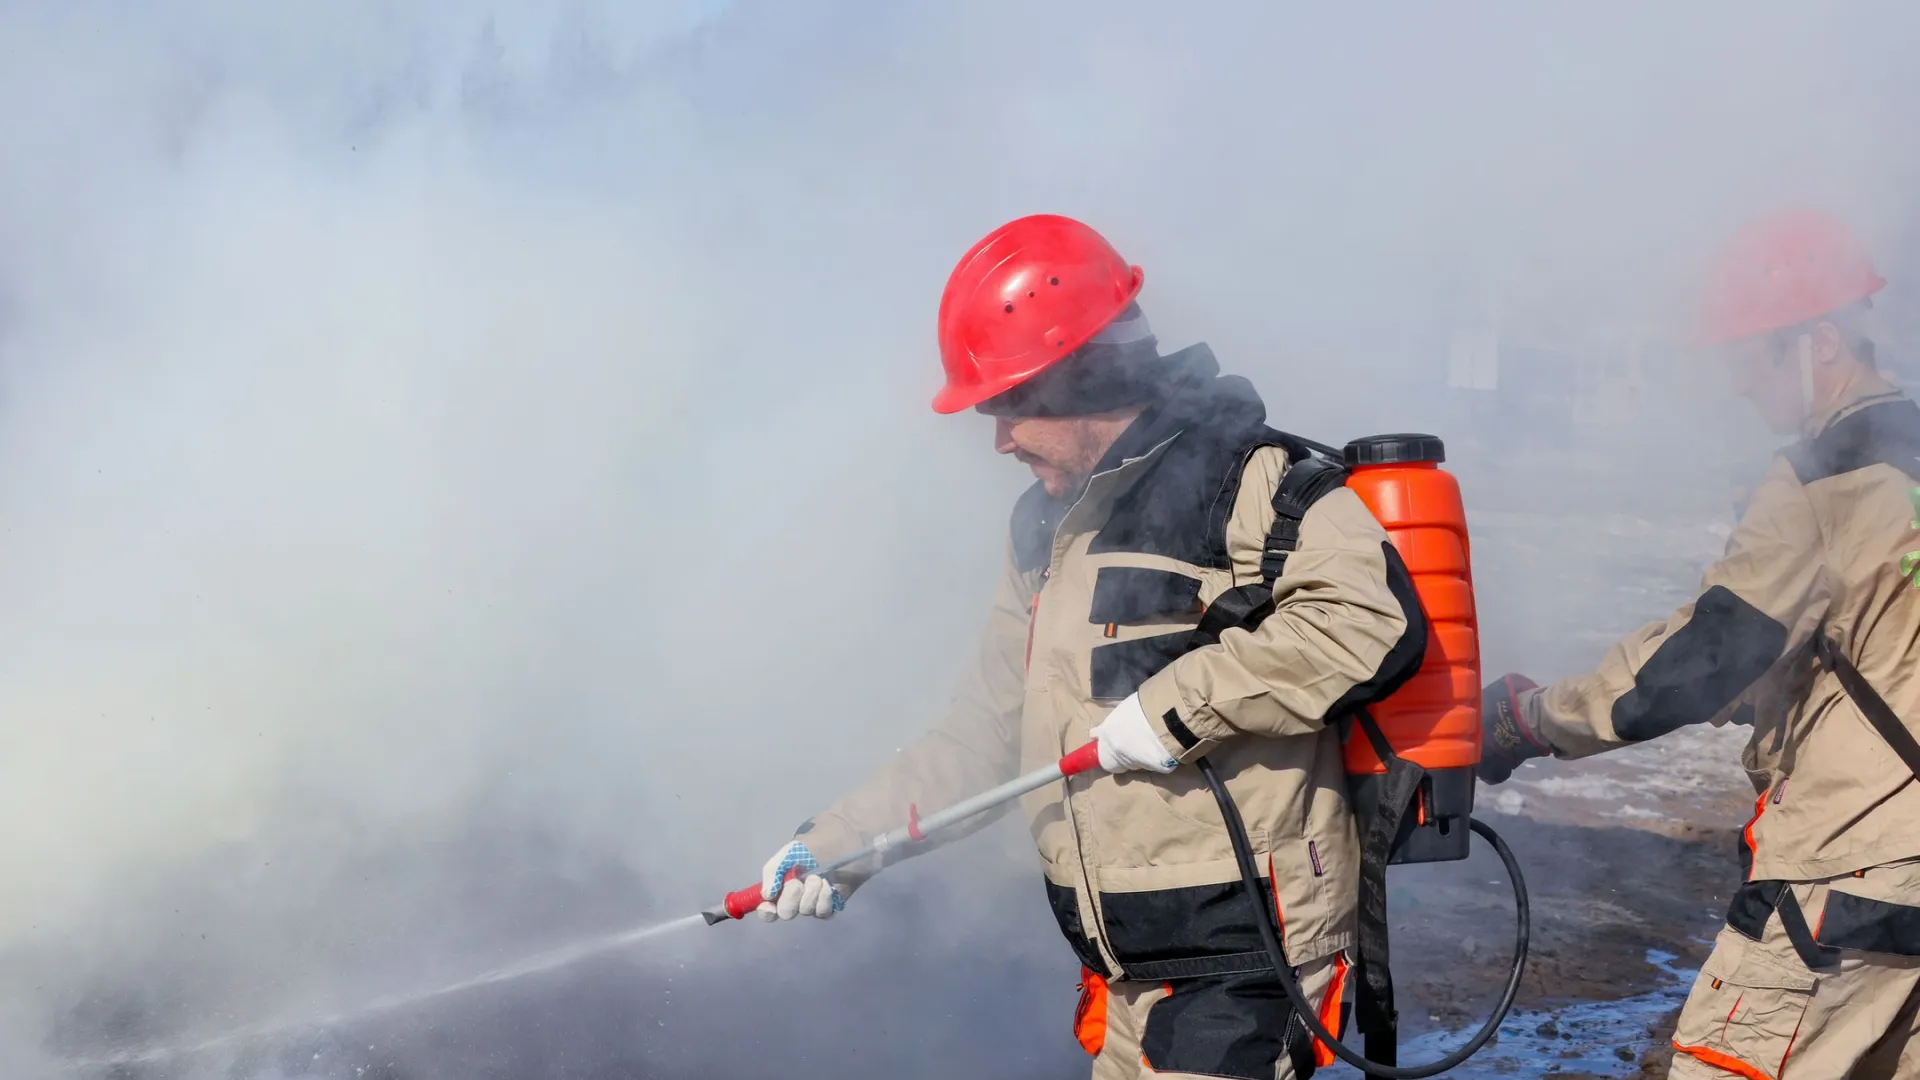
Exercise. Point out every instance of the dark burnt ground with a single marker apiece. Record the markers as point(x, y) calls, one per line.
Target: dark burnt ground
point(1601, 899)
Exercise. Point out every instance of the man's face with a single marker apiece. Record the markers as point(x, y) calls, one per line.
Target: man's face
point(1062, 451)
point(1766, 370)
point(1763, 371)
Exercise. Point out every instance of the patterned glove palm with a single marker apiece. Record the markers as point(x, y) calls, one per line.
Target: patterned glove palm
point(1506, 742)
point(812, 895)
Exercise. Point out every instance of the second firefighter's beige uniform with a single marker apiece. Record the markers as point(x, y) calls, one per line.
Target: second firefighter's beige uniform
point(1829, 545)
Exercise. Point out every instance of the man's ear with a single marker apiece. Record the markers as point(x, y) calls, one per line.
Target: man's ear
point(1829, 347)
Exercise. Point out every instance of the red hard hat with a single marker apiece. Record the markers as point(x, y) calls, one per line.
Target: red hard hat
point(1783, 270)
point(1027, 295)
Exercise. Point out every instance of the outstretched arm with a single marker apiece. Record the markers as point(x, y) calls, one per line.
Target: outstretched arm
point(975, 746)
point(1757, 606)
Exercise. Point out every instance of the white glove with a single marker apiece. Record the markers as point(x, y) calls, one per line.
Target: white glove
point(1127, 742)
point(812, 895)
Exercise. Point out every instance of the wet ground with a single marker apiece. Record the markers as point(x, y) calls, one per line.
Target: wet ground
point(1579, 1039)
point(1627, 893)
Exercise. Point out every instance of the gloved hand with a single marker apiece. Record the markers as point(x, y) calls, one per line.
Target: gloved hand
point(1128, 742)
point(1506, 740)
point(812, 895)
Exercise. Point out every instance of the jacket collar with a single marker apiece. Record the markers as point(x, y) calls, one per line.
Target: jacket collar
point(1868, 389)
point(1200, 404)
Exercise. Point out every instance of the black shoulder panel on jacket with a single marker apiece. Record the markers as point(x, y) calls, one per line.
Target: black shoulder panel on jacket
point(1883, 434)
point(1403, 660)
point(1168, 511)
point(1180, 509)
point(1035, 516)
point(1723, 649)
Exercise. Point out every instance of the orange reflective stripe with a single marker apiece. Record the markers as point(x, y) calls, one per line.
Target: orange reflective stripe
point(1753, 852)
point(1273, 886)
point(1722, 1061)
point(1033, 616)
point(1090, 1019)
point(1796, 1038)
point(1330, 1011)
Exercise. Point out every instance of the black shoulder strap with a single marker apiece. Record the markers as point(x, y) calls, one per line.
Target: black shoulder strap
point(1871, 704)
point(1375, 1014)
point(1307, 480)
point(1755, 903)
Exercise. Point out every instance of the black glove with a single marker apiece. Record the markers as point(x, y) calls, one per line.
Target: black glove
point(1505, 742)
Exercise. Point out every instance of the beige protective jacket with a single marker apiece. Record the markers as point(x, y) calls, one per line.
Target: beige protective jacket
point(1829, 545)
point(1097, 600)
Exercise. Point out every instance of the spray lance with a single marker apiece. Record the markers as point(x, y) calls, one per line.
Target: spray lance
point(739, 902)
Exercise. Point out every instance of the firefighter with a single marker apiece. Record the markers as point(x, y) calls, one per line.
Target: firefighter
point(1808, 628)
point(1156, 480)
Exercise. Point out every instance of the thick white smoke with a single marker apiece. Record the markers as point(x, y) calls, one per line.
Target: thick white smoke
point(426, 417)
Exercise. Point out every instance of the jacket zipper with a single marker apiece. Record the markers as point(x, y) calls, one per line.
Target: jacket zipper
point(1097, 932)
point(1033, 616)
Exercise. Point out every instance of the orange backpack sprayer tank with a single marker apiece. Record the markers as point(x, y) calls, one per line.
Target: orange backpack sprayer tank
point(1433, 719)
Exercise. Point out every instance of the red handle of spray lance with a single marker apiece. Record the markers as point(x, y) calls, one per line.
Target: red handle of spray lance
point(741, 901)
point(1082, 760)
point(738, 903)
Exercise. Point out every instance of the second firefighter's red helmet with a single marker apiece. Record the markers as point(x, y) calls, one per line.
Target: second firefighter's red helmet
point(1025, 297)
point(1782, 270)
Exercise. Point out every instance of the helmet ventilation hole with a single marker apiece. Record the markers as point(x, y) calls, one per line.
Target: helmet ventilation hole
point(1009, 307)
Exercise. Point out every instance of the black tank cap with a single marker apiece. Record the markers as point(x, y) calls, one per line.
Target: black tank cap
point(1394, 449)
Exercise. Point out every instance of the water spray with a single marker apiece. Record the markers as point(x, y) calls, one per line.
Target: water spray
point(734, 906)
point(550, 960)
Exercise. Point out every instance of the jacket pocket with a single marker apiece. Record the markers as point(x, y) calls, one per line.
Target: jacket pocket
point(1744, 1009)
point(1237, 1026)
point(1118, 669)
point(1129, 594)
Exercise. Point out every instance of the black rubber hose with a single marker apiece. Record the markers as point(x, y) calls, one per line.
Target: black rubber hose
point(1251, 878)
